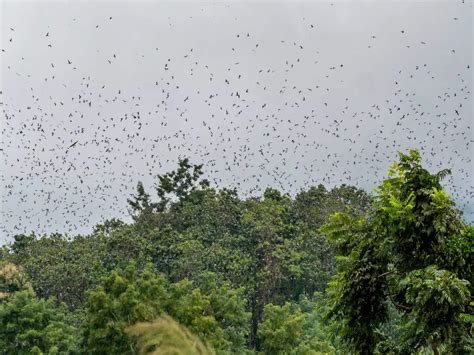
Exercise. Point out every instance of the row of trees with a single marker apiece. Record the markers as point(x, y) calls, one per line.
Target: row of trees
point(204, 271)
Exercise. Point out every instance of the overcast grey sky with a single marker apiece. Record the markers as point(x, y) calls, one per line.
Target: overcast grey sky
point(263, 94)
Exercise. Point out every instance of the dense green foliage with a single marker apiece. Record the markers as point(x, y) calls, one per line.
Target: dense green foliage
point(33, 326)
point(215, 312)
point(199, 268)
point(412, 252)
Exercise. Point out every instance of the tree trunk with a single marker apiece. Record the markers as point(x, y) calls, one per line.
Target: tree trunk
point(434, 347)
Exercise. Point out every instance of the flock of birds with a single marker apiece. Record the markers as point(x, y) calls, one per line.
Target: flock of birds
point(75, 146)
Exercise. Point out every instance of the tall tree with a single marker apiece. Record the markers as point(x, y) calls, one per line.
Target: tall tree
point(179, 183)
point(141, 208)
point(408, 251)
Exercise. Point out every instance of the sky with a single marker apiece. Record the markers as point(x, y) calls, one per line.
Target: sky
point(96, 96)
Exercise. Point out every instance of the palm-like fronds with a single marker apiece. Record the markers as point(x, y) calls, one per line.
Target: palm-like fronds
point(440, 175)
point(165, 336)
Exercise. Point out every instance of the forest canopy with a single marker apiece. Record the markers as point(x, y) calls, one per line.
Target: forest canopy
point(202, 270)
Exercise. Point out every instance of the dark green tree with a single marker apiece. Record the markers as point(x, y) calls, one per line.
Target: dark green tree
point(141, 208)
point(107, 227)
point(61, 268)
point(178, 183)
point(316, 204)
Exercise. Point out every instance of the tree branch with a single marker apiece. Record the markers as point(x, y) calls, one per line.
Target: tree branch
point(407, 308)
point(386, 273)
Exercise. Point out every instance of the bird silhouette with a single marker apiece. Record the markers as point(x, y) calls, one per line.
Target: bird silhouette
point(288, 105)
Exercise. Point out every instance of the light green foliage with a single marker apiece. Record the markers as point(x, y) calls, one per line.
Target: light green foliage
point(281, 329)
point(122, 299)
point(216, 313)
point(217, 316)
point(294, 329)
point(317, 331)
point(413, 209)
point(345, 232)
point(438, 297)
point(411, 250)
point(30, 325)
point(12, 279)
point(165, 336)
point(228, 308)
point(459, 254)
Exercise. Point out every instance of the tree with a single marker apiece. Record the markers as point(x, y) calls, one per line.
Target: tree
point(289, 257)
point(122, 299)
point(32, 326)
point(203, 233)
point(216, 313)
point(306, 261)
point(409, 250)
point(281, 329)
point(404, 269)
point(180, 182)
point(317, 338)
point(141, 208)
point(316, 204)
point(12, 279)
point(108, 226)
point(61, 268)
point(264, 223)
point(21, 242)
point(295, 328)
